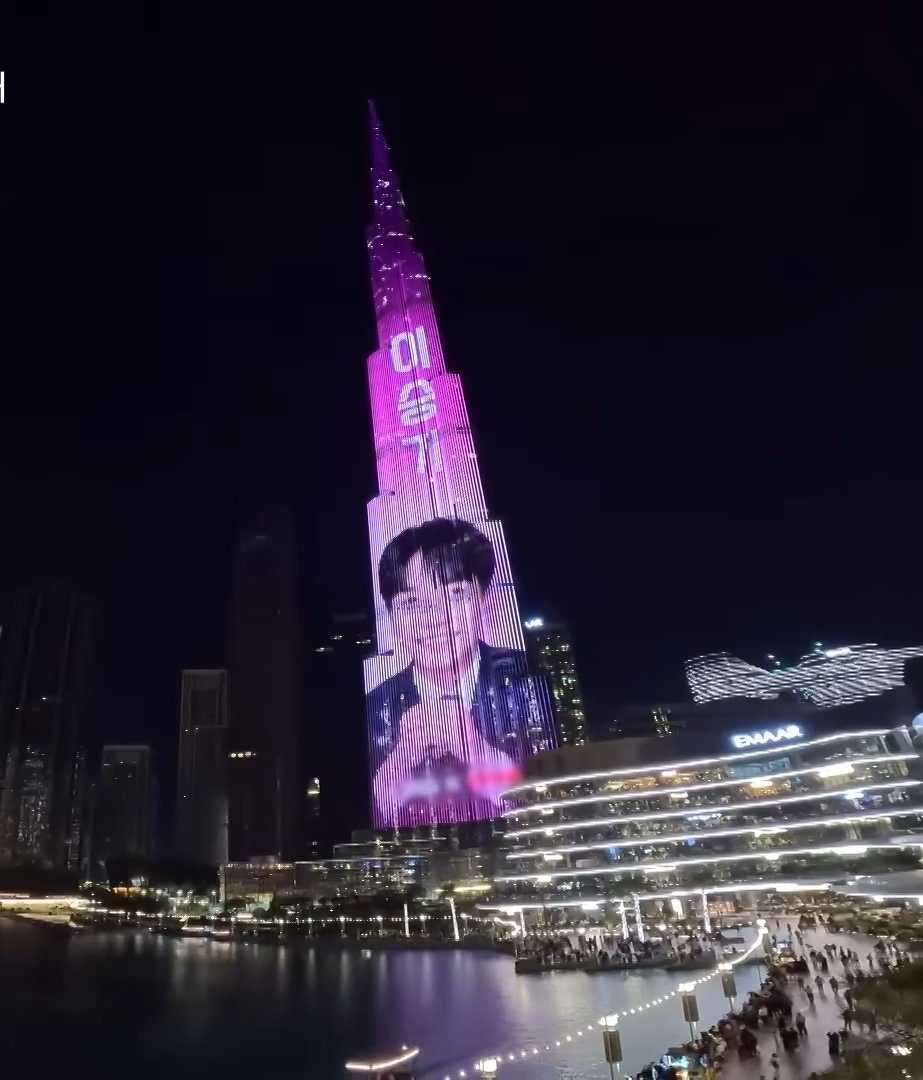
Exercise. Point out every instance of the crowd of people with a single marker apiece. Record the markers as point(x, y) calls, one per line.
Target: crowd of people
point(608, 949)
point(783, 1005)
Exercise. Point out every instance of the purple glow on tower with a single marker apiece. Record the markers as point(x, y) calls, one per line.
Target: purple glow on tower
point(451, 708)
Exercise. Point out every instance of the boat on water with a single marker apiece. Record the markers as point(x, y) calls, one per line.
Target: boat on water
point(392, 1064)
point(594, 967)
point(698, 962)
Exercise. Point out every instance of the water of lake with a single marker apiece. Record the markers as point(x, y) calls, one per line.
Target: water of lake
point(140, 1004)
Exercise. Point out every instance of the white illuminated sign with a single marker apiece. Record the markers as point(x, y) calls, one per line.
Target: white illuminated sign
point(533, 624)
point(766, 738)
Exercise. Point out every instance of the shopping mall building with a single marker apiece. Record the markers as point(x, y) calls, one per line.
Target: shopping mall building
point(798, 799)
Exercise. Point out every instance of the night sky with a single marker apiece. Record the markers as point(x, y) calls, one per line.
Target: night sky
point(678, 266)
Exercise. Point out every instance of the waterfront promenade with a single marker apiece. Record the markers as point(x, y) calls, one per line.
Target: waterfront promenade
point(826, 1014)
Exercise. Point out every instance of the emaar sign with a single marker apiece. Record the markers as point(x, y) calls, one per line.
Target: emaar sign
point(767, 738)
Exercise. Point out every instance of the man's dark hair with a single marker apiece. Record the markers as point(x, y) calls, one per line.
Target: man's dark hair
point(451, 550)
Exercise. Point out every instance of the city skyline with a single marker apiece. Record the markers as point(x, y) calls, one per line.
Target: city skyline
point(614, 280)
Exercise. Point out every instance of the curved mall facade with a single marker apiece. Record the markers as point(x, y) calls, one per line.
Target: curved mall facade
point(773, 807)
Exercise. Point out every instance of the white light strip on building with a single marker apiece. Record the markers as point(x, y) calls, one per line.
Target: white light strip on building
point(708, 834)
point(513, 906)
point(654, 792)
point(676, 864)
point(783, 748)
point(716, 808)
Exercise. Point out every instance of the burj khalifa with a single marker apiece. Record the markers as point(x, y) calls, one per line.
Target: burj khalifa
point(452, 709)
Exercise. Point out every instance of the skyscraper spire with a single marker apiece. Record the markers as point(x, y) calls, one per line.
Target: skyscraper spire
point(386, 191)
point(398, 273)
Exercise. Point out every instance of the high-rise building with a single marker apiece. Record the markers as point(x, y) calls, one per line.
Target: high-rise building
point(313, 832)
point(123, 820)
point(825, 677)
point(334, 665)
point(451, 707)
point(45, 652)
point(202, 784)
point(265, 773)
point(551, 652)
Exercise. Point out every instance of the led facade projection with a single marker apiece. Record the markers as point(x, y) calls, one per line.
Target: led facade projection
point(451, 706)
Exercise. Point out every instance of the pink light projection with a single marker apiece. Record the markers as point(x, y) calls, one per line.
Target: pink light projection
point(451, 707)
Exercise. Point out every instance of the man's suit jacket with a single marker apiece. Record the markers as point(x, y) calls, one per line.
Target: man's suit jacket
point(505, 706)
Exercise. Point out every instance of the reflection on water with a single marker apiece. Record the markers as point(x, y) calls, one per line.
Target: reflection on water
point(161, 1006)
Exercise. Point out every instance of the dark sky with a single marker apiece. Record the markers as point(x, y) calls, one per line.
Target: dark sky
point(677, 264)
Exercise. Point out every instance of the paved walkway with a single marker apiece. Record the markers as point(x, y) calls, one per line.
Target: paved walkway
point(823, 1016)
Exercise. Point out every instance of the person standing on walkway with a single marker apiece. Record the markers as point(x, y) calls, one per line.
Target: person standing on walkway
point(819, 983)
point(834, 985)
point(810, 995)
point(869, 958)
point(800, 1024)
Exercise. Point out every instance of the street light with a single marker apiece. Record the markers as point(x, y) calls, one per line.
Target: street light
point(638, 917)
point(767, 947)
point(690, 1006)
point(380, 919)
point(612, 1043)
point(487, 1067)
point(728, 983)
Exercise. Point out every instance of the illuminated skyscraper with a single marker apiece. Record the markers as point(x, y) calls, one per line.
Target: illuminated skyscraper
point(451, 708)
point(266, 816)
point(45, 651)
point(551, 652)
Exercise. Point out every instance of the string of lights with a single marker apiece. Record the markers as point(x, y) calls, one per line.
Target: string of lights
point(525, 1053)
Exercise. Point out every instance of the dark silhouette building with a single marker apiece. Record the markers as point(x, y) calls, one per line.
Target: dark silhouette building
point(265, 774)
point(44, 654)
point(202, 782)
point(338, 711)
point(123, 818)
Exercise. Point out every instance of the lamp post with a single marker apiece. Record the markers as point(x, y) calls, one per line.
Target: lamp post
point(624, 916)
point(638, 918)
point(423, 925)
point(706, 918)
point(342, 926)
point(612, 1042)
point(406, 921)
point(487, 1068)
point(728, 983)
point(522, 922)
point(767, 946)
point(690, 1006)
point(454, 918)
point(380, 919)
point(466, 917)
